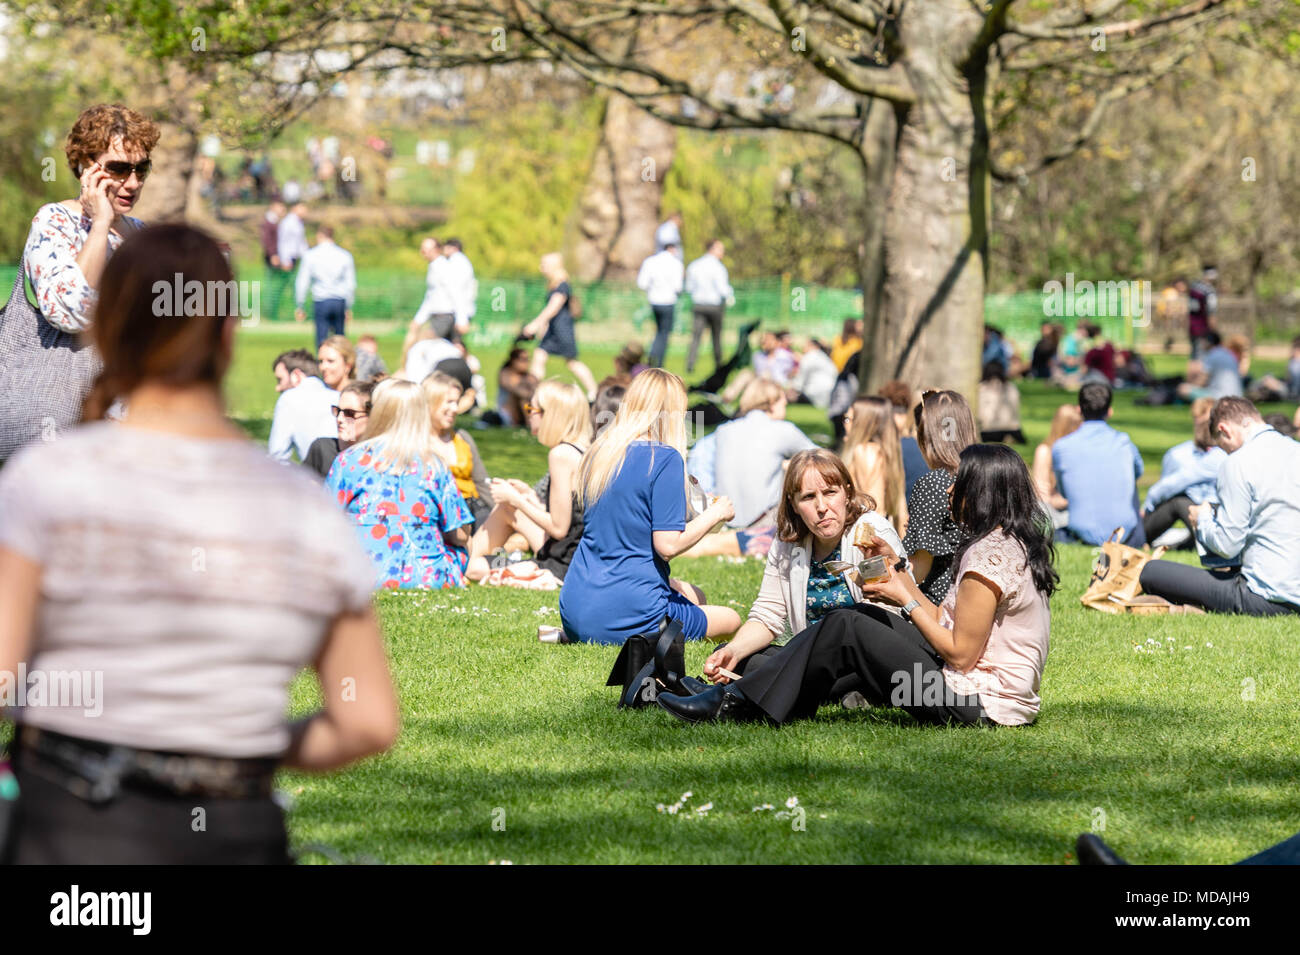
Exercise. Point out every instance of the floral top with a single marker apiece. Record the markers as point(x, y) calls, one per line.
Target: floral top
point(400, 518)
point(826, 591)
point(63, 295)
point(1008, 672)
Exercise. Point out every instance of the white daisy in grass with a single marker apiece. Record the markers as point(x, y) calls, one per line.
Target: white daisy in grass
point(792, 802)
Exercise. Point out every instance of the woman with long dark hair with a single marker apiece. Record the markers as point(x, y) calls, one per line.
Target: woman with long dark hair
point(977, 658)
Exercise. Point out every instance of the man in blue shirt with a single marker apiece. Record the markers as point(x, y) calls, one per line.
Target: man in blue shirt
point(1258, 516)
point(1097, 469)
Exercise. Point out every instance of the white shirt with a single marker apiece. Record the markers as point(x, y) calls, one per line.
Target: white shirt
point(661, 278)
point(437, 296)
point(816, 377)
point(302, 415)
point(328, 270)
point(707, 281)
point(291, 239)
point(463, 286)
point(424, 357)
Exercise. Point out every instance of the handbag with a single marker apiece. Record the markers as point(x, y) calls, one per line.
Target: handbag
point(649, 664)
point(1115, 575)
point(45, 373)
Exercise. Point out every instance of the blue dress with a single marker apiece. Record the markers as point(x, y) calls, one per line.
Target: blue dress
point(617, 586)
point(400, 518)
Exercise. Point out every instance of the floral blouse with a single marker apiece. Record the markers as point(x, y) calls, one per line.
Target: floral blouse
point(400, 518)
point(63, 295)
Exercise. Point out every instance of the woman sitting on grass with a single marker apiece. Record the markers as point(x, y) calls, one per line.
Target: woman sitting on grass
point(975, 659)
point(634, 483)
point(944, 428)
point(874, 456)
point(402, 499)
point(822, 518)
point(1066, 421)
point(547, 517)
point(455, 448)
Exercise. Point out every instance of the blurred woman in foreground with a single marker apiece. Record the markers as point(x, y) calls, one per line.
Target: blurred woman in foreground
point(184, 578)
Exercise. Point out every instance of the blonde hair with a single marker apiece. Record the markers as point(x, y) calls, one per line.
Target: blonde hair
point(552, 267)
point(760, 394)
point(397, 431)
point(654, 409)
point(1066, 421)
point(873, 423)
point(435, 387)
point(346, 350)
point(566, 415)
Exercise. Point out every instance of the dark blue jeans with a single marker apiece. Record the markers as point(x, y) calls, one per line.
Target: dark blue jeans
point(329, 315)
point(664, 315)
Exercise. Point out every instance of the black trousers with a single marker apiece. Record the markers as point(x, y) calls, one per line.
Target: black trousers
point(664, 315)
point(1166, 516)
point(1216, 591)
point(52, 826)
point(894, 666)
point(710, 316)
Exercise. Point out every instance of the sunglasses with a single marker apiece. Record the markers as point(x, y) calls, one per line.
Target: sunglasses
point(532, 409)
point(350, 413)
point(121, 171)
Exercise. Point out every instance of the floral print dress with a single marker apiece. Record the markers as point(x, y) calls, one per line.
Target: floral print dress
point(400, 518)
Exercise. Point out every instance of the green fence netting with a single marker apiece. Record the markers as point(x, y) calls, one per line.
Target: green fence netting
point(615, 311)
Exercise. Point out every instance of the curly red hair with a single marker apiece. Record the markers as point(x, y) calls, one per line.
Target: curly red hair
point(95, 129)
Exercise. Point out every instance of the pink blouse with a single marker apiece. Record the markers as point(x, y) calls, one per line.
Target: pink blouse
point(1008, 672)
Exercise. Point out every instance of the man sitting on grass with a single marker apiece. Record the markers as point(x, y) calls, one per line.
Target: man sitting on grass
point(1097, 469)
point(1258, 516)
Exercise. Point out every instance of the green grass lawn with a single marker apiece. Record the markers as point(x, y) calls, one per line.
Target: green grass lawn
point(1174, 735)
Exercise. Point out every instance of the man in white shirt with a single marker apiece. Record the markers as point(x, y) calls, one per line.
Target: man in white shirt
point(291, 237)
point(329, 273)
point(426, 353)
point(661, 278)
point(709, 287)
point(438, 306)
point(459, 272)
point(303, 410)
point(814, 380)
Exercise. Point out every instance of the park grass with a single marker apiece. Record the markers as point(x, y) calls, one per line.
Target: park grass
point(1171, 735)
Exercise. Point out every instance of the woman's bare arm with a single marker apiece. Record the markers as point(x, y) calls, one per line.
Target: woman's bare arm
point(360, 716)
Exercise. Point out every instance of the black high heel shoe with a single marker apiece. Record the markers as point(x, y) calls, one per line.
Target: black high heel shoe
point(716, 704)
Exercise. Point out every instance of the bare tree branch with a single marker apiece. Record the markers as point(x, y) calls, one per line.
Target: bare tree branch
point(1036, 31)
point(1095, 116)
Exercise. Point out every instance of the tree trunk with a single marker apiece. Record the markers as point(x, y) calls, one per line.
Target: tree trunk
point(619, 210)
point(936, 223)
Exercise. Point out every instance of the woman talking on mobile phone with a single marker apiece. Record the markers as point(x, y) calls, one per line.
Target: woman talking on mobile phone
point(64, 256)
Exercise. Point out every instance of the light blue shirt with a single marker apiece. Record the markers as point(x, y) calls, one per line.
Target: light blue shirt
point(747, 464)
point(329, 272)
point(1259, 514)
point(302, 415)
point(1097, 469)
point(1186, 469)
point(1224, 369)
point(700, 461)
point(707, 281)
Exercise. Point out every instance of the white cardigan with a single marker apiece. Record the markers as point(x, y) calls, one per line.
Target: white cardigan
point(782, 601)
